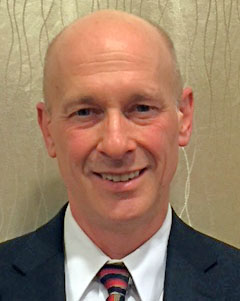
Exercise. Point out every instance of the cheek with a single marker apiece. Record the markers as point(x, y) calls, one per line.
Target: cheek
point(71, 145)
point(161, 142)
point(72, 151)
point(78, 146)
point(161, 139)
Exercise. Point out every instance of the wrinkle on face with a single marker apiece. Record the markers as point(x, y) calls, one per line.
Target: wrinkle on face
point(114, 65)
point(136, 58)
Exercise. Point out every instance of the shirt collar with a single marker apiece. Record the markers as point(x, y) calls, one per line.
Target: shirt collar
point(147, 264)
point(84, 259)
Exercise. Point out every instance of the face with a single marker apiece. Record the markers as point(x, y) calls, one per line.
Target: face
point(115, 130)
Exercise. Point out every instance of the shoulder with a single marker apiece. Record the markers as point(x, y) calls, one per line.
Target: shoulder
point(188, 238)
point(197, 262)
point(50, 234)
point(28, 264)
point(203, 262)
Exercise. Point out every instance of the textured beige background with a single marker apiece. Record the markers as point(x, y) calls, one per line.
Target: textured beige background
point(206, 190)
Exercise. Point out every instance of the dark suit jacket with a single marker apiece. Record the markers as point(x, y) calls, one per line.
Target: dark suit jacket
point(198, 267)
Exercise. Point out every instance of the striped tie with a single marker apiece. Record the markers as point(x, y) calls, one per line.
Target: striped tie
point(115, 277)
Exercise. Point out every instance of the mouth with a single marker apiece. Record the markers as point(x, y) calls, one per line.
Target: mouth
point(123, 177)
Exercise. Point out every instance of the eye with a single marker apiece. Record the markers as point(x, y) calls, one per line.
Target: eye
point(87, 115)
point(142, 108)
point(87, 112)
point(142, 112)
point(84, 112)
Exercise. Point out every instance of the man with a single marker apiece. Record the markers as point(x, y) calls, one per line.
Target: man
point(114, 117)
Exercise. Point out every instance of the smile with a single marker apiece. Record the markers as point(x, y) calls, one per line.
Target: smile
point(120, 177)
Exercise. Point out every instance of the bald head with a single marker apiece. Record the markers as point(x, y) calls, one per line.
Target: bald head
point(109, 30)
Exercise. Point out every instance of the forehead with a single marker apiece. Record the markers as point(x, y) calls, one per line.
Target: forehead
point(102, 47)
point(129, 38)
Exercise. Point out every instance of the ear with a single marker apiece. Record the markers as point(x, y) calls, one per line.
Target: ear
point(185, 117)
point(44, 121)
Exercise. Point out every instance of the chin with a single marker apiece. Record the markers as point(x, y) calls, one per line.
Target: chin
point(130, 211)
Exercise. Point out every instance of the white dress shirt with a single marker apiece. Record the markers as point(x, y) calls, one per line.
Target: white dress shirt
point(83, 260)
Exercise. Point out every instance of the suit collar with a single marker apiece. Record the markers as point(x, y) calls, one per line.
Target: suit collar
point(43, 244)
point(40, 263)
point(190, 269)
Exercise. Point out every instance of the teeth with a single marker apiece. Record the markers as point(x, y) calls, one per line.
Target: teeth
point(120, 178)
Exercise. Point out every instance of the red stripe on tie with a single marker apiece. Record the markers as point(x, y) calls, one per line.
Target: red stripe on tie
point(107, 271)
point(116, 283)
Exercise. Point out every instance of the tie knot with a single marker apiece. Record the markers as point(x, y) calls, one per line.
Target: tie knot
point(115, 277)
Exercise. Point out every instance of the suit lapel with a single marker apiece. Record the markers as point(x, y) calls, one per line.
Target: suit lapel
point(39, 266)
point(192, 269)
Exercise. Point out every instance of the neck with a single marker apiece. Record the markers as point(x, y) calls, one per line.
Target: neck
point(125, 236)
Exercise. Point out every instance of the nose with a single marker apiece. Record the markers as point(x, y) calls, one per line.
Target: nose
point(117, 137)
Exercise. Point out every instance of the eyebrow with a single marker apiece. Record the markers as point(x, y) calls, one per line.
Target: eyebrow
point(145, 96)
point(141, 97)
